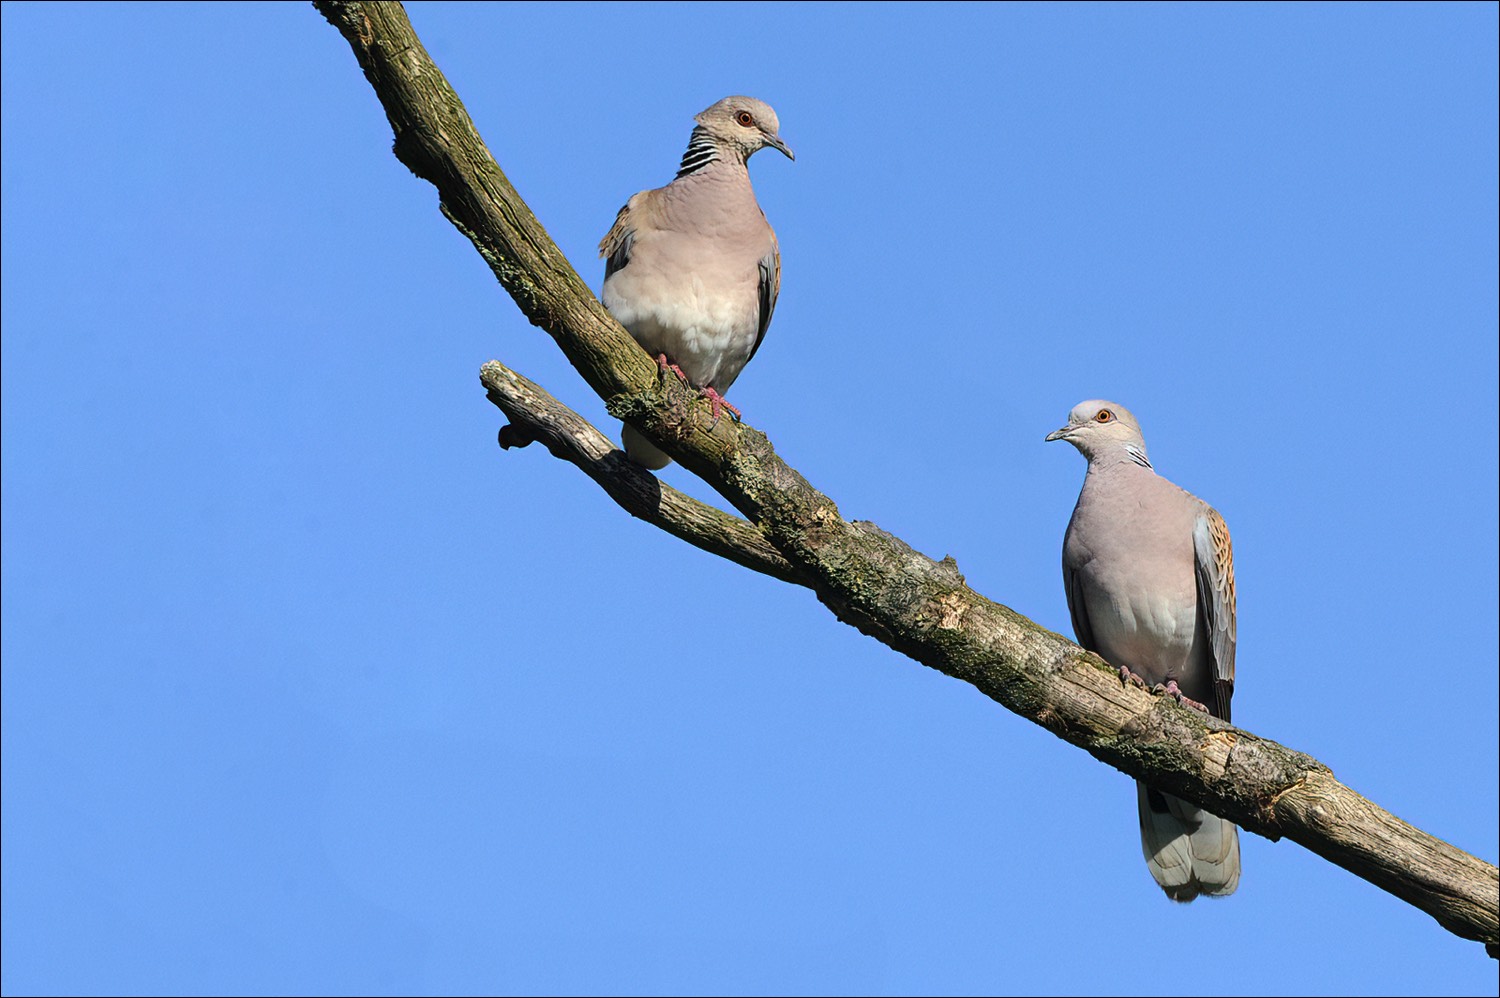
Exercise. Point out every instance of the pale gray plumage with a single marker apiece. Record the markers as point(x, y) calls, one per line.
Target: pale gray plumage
point(692, 269)
point(1149, 575)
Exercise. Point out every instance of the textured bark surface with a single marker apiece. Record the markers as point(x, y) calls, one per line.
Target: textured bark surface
point(535, 416)
point(868, 578)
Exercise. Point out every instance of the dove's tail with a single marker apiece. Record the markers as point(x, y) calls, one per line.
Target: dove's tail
point(641, 450)
point(1188, 850)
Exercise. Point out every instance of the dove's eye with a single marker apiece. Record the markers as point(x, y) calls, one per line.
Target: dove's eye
point(1104, 416)
point(745, 118)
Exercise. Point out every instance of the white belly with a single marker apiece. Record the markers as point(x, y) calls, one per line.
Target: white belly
point(1152, 637)
point(705, 334)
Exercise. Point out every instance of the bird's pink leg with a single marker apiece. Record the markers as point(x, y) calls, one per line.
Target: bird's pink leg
point(1172, 691)
point(717, 402)
point(666, 365)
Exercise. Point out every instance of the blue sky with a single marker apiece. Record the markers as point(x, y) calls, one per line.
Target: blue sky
point(308, 688)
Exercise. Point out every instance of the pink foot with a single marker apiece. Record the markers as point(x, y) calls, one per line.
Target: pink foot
point(666, 365)
point(1126, 676)
point(1172, 691)
point(716, 402)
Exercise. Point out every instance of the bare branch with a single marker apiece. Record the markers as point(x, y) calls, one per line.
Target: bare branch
point(537, 416)
point(873, 580)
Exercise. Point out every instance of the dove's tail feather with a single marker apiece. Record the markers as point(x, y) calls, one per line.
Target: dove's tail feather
point(643, 451)
point(1189, 851)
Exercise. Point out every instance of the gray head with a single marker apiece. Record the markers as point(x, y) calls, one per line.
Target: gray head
point(1098, 428)
point(744, 125)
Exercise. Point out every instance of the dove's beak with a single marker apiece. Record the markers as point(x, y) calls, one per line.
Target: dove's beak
point(1061, 434)
point(774, 141)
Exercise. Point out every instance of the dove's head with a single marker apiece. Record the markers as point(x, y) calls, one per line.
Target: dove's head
point(1098, 427)
point(745, 125)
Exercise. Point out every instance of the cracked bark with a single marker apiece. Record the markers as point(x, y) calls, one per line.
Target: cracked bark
point(865, 576)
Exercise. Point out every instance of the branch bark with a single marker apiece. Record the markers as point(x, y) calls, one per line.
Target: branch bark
point(537, 416)
point(867, 577)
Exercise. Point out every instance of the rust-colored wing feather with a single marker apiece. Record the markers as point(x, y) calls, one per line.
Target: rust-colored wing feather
point(1214, 562)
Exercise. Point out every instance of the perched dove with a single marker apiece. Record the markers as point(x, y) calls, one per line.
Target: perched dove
point(1150, 582)
point(692, 269)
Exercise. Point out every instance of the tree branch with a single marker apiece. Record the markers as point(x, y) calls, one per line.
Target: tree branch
point(867, 577)
point(537, 416)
